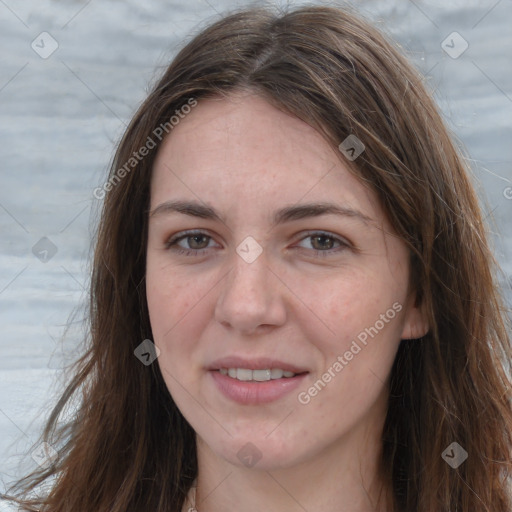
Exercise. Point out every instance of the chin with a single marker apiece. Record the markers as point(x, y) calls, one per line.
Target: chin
point(260, 452)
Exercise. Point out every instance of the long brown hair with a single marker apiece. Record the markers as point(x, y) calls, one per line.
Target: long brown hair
point(129, 447)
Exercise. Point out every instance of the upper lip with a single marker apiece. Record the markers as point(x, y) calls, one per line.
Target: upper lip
point(259, 363)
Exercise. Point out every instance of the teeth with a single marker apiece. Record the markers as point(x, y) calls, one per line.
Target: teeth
point(244, 374)
point(259, 375)
point(276, 373)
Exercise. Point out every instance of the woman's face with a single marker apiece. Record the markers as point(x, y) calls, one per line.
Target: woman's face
point(251, 277)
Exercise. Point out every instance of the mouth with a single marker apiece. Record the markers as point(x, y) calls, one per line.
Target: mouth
point(255, 381)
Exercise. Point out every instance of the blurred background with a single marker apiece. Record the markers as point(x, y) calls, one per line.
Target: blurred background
point(73, 72)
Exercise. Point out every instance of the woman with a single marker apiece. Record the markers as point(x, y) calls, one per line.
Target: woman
point(293, 304)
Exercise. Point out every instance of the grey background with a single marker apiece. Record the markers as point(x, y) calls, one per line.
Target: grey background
point(61, 116)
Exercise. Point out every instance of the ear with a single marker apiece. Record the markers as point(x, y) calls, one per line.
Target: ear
point(416, 324)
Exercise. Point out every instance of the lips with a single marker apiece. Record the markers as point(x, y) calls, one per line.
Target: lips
point(255, 381)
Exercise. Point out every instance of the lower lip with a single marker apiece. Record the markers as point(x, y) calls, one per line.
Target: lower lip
point(253, 393)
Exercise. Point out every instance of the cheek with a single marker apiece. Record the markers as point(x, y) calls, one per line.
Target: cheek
point(353, 302)
point(360, 309)
point(171, 298)
point(169, 305)
point(366, 345)
point(171, 312)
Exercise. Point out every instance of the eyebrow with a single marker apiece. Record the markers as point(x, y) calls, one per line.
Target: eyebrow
point(286, 214)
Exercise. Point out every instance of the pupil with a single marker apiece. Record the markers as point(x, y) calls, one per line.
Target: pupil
point(196, 237)
point(323, 237)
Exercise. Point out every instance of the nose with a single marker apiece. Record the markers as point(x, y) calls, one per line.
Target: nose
point(251, 297)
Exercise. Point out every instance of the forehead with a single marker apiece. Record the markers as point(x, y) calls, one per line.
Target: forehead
point(242, 153)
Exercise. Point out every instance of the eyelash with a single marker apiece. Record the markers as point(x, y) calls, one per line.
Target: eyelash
point(169, 244)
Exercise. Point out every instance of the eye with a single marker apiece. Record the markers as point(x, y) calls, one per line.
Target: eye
point(197, 242)
point(323, 243)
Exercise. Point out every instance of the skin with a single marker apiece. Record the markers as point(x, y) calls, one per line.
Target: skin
point(246, 159)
